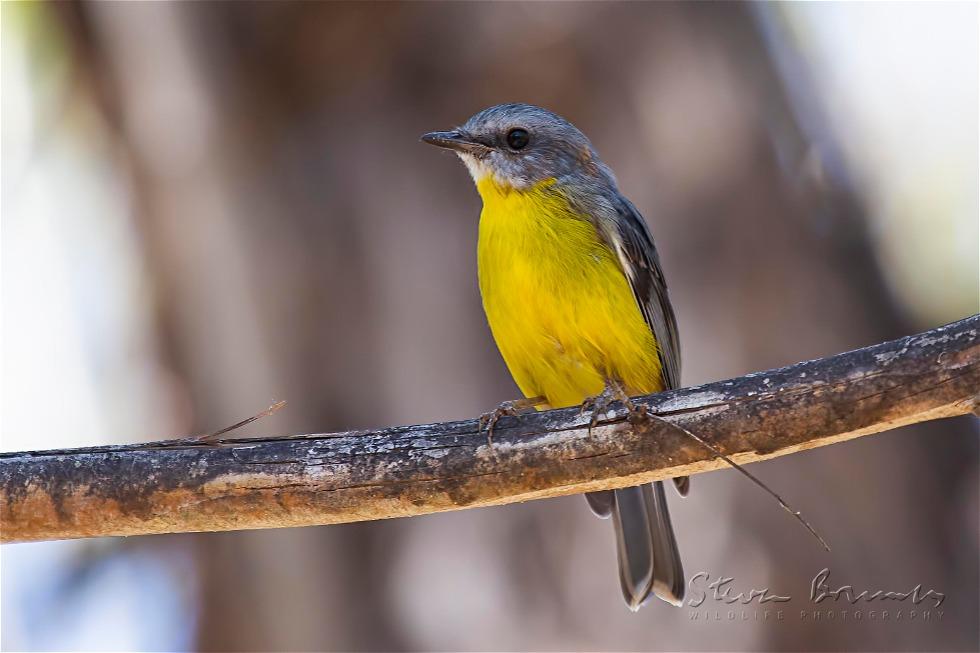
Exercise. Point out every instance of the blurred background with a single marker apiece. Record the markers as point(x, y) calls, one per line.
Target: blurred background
point(210, 206)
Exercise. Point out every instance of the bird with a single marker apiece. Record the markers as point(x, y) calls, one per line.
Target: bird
point(576, 300)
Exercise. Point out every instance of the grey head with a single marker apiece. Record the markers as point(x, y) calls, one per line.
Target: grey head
point(521, 145)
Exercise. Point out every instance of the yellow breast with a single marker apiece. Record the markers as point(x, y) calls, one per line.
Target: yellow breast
point(559, 306)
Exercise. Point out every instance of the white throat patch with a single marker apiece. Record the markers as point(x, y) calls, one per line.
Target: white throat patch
point(478, 169)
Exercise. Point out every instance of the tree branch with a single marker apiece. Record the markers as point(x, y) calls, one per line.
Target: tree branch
point(181, 486)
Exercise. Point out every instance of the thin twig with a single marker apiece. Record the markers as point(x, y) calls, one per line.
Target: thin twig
point(209, 438)
point(714, 450)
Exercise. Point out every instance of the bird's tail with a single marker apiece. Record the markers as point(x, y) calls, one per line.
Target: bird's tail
point(645, 544)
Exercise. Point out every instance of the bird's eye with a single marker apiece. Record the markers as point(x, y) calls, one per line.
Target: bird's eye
point(517, 139)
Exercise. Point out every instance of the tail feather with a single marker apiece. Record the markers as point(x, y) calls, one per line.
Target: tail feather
point(668, 574)
point(634, 548)
point(646, 549)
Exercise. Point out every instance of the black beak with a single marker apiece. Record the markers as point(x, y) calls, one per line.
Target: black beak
point(455, 140)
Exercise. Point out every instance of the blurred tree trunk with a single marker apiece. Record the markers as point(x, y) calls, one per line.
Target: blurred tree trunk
point(250, 275)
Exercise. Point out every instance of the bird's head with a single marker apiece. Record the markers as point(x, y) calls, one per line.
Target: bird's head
point(519, 146)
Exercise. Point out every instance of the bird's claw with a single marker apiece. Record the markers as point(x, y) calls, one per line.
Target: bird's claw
point(511, 408)
point(599, 403)
point(489, 420)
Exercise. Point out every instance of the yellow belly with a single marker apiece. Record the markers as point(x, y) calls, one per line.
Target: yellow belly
point(559, 306)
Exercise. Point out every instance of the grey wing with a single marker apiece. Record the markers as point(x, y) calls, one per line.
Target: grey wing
point(631, 240)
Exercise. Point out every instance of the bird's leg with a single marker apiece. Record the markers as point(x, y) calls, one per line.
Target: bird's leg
point(598, 404)
point(613, 391)
point(513, 408)
point(635, 412)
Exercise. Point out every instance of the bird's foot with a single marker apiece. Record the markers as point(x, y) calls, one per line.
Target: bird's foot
point(612, 392)
point(597, 405)
point(510, 408)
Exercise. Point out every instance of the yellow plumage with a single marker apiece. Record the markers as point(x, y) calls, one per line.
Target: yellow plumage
point(558, 303)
